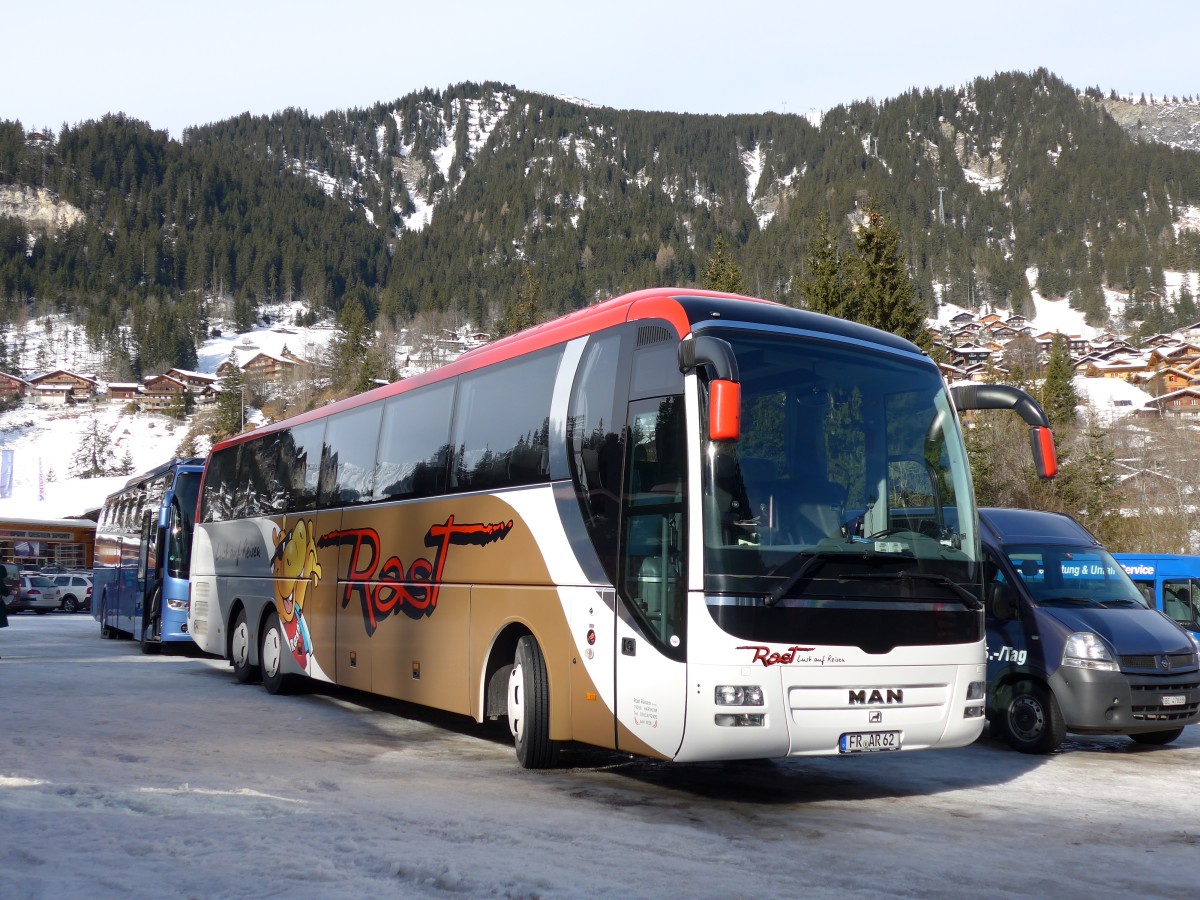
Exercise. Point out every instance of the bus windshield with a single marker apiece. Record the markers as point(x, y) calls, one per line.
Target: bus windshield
point(849, 479)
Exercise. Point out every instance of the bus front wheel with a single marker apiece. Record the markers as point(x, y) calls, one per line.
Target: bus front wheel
point(1031, 719)
point(152, 625)
point(529, 706)
point(239, 651)
point(272, 651)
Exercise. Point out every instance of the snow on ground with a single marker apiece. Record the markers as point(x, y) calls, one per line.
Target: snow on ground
point(1108, 399)
point(131, 776)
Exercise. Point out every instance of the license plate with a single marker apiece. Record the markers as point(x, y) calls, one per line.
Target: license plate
point(1174, 700)
point(868, 741)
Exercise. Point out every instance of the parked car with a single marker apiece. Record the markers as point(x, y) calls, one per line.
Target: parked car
point(76, 590)
point(37, 593)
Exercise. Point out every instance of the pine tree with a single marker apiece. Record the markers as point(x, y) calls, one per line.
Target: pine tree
point(722, 273)
point(824, 291)
point(92, 458)
point(230, 402)
point(1059, 398)
point(525, 309)
point(881, 284)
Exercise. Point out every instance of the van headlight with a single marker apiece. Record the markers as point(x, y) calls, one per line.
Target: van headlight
point(1085, 650)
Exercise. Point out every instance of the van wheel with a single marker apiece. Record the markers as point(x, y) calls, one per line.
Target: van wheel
point(1156, 738)
point(239, 651)
point(1031, 719)
point(272, 652)
point(529, 706)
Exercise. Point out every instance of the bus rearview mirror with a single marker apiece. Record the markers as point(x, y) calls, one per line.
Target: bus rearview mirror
point(1045, 459)
point(724, 410)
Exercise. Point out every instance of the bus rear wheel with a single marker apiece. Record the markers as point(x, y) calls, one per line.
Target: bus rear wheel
point(239, 651)
point(1031, 719)
point(529, 706)
point(1156, 738)
point(272, 651)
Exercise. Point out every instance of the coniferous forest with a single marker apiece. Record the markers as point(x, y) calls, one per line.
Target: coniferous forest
point(454, 201)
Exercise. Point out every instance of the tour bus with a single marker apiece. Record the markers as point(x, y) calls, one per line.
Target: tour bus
point(680, 524)
point(1073, 646)
point(143, 547)
point(1171, 581)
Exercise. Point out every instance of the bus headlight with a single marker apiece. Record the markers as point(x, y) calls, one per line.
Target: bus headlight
point(739, 695)
point(976, 693)
point(177, 604)
point(1085, 650)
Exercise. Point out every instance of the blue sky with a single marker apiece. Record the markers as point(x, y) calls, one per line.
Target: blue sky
point(174, 65)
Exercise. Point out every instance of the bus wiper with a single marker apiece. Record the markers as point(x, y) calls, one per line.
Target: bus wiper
point(809, 565)
point(969, 600)
point(814, 562)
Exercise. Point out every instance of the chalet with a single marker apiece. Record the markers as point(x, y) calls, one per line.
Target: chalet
point(60, 388)
point(269, 367)
point(970, 354)
point(160, 392)
point(1172, 378)
point(13, 387)
point(1127, 368)
point(124, 391)
point(1184, 402)
point(1017, 322)
point(197, 381)
point(962, 318)
point(990, 319)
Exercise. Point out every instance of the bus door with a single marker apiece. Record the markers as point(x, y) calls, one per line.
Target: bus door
point(651, 637)
point(147, 558)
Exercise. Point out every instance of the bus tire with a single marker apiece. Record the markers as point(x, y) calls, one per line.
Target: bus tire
point(1156, 738)
point(1031, 720)
point(106, 631)
point(239, 651)
point(529, 706)
point(272, 651)
point(151, 641)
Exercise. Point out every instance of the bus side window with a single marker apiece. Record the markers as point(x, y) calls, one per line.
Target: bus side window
point(1179, 602)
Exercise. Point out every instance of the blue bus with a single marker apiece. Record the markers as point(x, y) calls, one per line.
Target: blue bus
point(1171, 581)
point(143, 555)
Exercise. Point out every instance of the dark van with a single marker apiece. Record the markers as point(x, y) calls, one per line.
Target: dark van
point(1072, 645)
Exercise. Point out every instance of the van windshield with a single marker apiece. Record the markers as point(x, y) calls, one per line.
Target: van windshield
point(1066, 575)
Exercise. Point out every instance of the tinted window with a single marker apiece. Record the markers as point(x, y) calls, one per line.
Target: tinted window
point(261, 493)
point(501, 424)
point(300, 465)
point(414, 443)
point(219, 482)
point(595, 445)
point(348, 472)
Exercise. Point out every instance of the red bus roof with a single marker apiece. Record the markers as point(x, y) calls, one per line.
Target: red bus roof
point(653, 303)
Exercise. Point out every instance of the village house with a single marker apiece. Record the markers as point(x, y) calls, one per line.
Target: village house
point(61, 388)
point(12, 387)
point(1184, 402)
point(160, 392)
point(123, 391)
